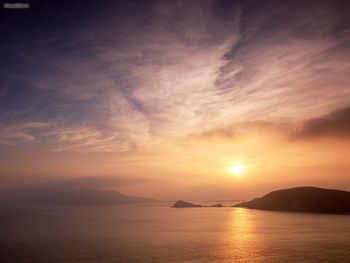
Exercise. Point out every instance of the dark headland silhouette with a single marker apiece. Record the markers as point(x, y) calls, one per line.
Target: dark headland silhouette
point(298, 199)
point(303, 199)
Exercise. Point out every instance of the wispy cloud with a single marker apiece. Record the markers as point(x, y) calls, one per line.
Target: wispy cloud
point(277, 70)
point(239, 130)
point(20, 133)
point(83, 139)
point(58, 138)
point(163, 70)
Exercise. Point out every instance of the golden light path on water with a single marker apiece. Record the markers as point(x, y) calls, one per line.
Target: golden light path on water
point(243, 239)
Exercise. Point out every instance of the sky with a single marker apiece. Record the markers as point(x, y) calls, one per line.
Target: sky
point(161, 98)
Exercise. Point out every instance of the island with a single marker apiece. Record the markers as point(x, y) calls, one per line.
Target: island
point(303, 199)
point(184, 204)
point(216, 205)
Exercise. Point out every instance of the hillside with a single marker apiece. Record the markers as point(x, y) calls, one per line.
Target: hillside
point(303, 199)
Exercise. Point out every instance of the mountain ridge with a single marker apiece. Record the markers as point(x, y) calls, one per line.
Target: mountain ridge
point(36, 194)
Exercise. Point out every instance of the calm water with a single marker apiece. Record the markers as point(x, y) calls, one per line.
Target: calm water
point(153, 233)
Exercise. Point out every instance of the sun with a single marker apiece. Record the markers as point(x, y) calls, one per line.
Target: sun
point(237, 169)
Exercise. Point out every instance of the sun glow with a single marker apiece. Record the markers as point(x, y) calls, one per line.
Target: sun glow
point(237, 170)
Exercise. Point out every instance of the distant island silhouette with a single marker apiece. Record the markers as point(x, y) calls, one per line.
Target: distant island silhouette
point(184, 204)
point(57, 195)
point(303, 199)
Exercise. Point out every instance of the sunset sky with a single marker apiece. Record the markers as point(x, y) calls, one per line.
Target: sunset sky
point(161, 98)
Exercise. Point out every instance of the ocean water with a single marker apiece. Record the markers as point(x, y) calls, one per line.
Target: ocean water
point(158, 233)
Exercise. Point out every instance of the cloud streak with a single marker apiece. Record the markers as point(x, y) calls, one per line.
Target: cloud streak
point(58, 138)
point(136, 74)
point(335, 125)
point(17, 134)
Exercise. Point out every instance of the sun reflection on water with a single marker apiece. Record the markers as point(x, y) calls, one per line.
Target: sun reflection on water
point(242, 237)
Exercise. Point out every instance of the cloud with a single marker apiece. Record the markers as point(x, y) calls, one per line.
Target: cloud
point(132, 74)
point(334, 125)
point(58, 137)
point(239, 130)
point(143, 85)
point(83, 139)
point(276, 71)
point(20, 133)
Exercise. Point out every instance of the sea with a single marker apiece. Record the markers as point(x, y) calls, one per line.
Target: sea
point(158, 233)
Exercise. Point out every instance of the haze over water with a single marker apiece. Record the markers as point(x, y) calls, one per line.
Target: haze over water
point(157, 233)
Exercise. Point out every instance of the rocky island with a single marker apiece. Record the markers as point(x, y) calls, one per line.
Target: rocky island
point(184, 204)
point(303, 199)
